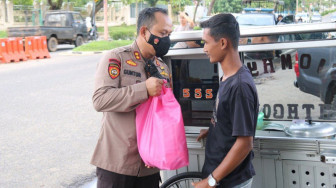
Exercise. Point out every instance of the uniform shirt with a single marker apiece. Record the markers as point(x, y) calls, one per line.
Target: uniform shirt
point(119, 88)
point(235, 114)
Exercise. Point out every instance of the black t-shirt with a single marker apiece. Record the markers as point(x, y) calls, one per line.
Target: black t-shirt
point(235, 114)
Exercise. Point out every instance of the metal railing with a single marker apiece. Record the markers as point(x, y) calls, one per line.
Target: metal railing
point(292, 29)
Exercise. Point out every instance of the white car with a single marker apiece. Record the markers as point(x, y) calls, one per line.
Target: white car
point(304, 16)
point(316, 18)
point(333, 18)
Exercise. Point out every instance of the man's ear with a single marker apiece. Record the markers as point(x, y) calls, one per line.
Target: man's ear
point(143, 32)
point(223, 43)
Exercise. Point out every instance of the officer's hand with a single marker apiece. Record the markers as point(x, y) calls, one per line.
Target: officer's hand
point(154, 86)
point(203, 134)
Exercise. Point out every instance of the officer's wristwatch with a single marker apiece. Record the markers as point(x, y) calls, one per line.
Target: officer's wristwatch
point(211, 181)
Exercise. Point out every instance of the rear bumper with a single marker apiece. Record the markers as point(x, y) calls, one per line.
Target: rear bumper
point(296, 84)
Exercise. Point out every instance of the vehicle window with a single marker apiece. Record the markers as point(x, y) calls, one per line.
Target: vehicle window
point(78, 18)
point(255, 19)
point(58, 20)
point(298, 84)
point(288, 19)
point(195, 87)
point(301, 15)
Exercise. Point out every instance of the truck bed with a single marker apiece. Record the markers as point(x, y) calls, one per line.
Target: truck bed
point(62, 32)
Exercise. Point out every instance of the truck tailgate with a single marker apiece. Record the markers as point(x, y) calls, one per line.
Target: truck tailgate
point(23, 31)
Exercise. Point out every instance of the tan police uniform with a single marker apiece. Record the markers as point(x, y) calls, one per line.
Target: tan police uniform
point(119, 88)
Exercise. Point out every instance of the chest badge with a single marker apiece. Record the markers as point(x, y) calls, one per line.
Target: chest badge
point(157, 62)
point(156, 41)
point(131, 62)
point(164, 73)
point(137, 55)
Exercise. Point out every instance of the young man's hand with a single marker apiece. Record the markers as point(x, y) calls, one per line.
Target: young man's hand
point(203, 134)
point(154, 86)
point(201, 184)
point(147, 166)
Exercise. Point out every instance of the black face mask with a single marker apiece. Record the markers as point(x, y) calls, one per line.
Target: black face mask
point(161, 44)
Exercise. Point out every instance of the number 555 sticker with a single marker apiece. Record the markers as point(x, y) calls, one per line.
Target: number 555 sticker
point(197, 93)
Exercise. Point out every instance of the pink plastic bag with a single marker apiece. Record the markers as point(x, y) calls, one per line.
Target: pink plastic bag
point(160, 132)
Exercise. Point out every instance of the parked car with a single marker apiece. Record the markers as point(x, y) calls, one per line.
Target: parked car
point(304, 16)
point(333, 18)
point(60, 27)
point(316, 18)
point(257, 17)
point(289, 19)
point(316, 70)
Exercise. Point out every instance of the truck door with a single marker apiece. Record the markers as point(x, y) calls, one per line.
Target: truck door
point(79, 25)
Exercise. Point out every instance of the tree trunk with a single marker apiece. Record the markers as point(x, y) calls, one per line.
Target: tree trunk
point(210, 7)
point(99, 5)
point(196, 10)
point(276, 2)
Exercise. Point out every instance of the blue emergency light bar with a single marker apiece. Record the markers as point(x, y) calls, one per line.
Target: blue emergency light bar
point(266, 10)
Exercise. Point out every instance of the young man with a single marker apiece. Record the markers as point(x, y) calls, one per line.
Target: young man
point(228, 152)
point(121, 84)
point(279, 19)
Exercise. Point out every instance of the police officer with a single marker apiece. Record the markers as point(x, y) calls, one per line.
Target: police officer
point(121, 84)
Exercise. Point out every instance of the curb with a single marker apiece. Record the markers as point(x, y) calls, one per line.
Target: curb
point(81, 53)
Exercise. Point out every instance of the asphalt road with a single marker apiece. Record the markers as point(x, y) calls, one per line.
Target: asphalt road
point(48, 125)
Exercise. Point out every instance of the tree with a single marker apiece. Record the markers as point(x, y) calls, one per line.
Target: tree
point(100, 4)
point(197, 4)
point(151, 3)
point(55, 5)
point(178, 5)
point(210, 7)
point(232, 6)
point(79, 3)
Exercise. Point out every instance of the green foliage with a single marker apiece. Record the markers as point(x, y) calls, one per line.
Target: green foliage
point(3, 34)
point(328, 12)
point(121, 32)
point(232, 6)
point(79, 3)
point(102, 45)
point(151, 3)
point(23, 2)
point(197, 28)
point(290, 5)
point(178, 5)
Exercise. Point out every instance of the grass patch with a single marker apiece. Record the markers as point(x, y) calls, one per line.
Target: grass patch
point(102, 45)
point(123, 32)
point(3, 34)
point(327, 12)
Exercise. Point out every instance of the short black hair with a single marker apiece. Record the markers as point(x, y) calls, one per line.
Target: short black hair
point(280, 16)
point(147, 17)
point(223, 26)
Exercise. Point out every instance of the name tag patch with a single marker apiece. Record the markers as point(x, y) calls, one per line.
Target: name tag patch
point(132, 73)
